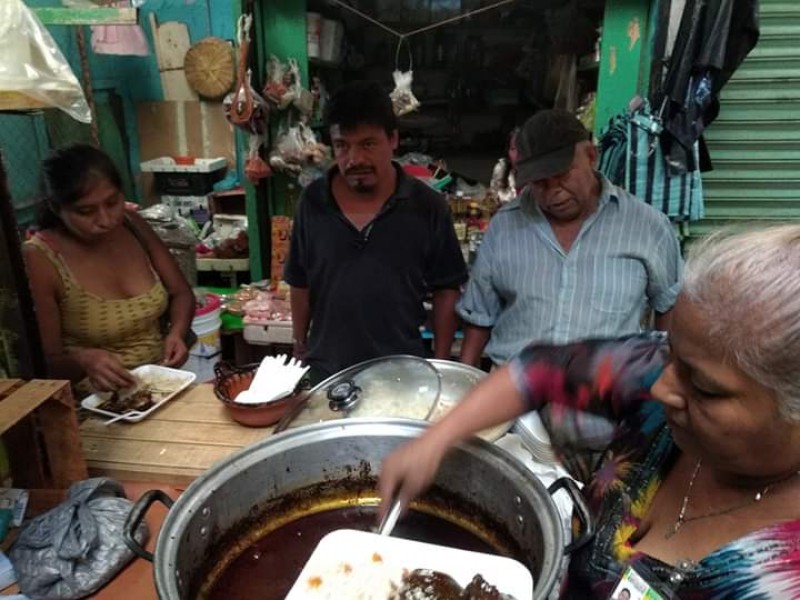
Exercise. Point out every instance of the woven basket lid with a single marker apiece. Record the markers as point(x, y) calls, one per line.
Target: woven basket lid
point(210, 68)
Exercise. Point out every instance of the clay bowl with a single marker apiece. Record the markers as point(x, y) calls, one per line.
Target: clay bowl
point(230, 380)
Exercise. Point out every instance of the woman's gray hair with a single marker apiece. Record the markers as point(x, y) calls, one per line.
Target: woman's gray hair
point(747, 285)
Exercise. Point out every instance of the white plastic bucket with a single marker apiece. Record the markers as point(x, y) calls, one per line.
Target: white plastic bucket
point(205, 353)
point(313, 33)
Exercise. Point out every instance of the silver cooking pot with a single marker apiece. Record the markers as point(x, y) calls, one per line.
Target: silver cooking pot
point(480, 482)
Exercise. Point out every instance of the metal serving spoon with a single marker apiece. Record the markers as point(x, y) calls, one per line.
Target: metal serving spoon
point(391, 517)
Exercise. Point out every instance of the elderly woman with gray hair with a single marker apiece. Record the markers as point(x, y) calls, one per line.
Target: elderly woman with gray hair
point(697, 490)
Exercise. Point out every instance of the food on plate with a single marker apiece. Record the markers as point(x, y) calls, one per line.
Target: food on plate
point(424, 584)
point(480, 589)
point(365, 579)
point(120, 402)
point(147, 392)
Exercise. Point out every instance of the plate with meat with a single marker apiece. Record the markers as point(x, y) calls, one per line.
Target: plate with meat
point(367, 566)
point(155, 386)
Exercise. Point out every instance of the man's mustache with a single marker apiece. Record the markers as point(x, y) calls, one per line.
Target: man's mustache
point(359, 171)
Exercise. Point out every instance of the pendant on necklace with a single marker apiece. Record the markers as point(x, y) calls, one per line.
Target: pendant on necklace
point(674, 529)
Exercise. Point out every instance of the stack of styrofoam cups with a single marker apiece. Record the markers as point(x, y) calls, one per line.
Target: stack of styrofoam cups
point(535, 437)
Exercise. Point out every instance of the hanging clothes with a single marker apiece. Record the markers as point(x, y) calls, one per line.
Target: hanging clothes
point(632, 158)
point(128, 40)
point(713, 39)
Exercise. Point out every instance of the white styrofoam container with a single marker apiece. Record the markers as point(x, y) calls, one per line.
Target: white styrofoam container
point(188, 206)
point(272, 332)
point(181, 379)
point(358, 564)
point(166, 164)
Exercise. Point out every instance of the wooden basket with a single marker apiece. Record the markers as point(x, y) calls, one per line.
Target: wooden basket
point(210, 68)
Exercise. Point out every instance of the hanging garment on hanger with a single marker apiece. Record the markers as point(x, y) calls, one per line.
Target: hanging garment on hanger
point(714, 38)
point(631, 157)
point(126, 40)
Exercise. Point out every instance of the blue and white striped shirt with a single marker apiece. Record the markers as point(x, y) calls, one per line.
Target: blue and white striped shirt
point(526, 288)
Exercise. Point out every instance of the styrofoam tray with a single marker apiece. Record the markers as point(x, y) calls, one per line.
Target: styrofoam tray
point(269, 332)
point(165, 377)
point(359, 564)
point(167, 164)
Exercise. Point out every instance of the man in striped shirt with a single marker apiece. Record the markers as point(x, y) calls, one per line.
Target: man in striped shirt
point(573, 257)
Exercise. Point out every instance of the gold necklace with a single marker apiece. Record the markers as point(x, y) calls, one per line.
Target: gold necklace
point(683, 519)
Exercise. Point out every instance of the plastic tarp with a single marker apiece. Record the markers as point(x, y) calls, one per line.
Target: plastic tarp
point(32, 64)
point(76, 548)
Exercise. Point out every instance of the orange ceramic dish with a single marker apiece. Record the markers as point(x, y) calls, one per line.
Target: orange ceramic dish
point(229, 381)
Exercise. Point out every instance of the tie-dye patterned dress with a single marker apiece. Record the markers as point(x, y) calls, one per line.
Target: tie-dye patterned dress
point(611, 379)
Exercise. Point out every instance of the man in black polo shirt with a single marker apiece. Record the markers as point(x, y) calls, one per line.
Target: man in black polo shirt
point(368, 242)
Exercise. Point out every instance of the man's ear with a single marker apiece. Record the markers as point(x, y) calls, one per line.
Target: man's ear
point(394, 139)
point(591, 153)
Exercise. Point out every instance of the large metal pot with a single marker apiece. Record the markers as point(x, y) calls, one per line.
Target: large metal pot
point(479, 480)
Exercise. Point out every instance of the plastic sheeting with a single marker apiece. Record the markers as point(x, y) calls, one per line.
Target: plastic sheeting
point(32, 64)
point(76, 548)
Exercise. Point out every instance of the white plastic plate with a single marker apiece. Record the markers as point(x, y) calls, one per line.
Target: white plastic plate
point(164, 378)
point(359, 564)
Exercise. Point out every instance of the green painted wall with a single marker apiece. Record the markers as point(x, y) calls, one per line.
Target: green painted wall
point(624, 57)
point(281, 26)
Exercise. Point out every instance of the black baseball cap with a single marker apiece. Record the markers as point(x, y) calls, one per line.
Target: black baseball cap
point(546, 144)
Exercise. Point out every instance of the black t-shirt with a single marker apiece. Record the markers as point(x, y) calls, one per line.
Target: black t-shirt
point(366, 287)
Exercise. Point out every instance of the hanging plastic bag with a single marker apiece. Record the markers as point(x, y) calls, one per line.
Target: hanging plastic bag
point(255, 167)
point(32, 64)
point(296, 148)
point(244, 108)
point(315, 153)
point(288, 154)
point(567, 92)
point(283, 85)
point(403, 99)
point(275, 88)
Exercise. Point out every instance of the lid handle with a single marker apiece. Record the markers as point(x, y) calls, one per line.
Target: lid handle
point(343, 396)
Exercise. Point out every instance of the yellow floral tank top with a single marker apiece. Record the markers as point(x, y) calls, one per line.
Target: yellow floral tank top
point(128, 327)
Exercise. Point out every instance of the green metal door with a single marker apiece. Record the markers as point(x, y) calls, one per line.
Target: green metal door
point(755, 142)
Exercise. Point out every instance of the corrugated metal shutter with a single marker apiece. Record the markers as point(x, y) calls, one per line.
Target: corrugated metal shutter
point(755, 142)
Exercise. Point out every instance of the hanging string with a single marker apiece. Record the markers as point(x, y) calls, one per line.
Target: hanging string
point(88, 89)
point(408, 34)
point(400, 41)
point(466, 15)
point(366, 17)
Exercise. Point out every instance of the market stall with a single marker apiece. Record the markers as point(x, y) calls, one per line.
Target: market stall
point(210, 171)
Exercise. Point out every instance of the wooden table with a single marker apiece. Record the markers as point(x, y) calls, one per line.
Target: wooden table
point(174, 445)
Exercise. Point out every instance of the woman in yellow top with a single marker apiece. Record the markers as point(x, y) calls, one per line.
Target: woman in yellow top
point(101, 278)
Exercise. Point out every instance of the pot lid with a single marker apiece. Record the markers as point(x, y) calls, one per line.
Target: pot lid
point(392, 386)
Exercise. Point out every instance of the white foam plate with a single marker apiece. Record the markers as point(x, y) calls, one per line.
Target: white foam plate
point(162, 377)
point(359, 564)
